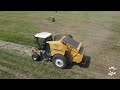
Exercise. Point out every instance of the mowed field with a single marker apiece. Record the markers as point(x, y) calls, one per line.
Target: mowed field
point(99, 31)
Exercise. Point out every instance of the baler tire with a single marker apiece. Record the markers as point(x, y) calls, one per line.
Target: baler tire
point(85, 62)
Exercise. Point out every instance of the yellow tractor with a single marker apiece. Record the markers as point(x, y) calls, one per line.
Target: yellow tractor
point(61, 49)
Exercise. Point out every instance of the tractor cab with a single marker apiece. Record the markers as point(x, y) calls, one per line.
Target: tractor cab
point(41, 39)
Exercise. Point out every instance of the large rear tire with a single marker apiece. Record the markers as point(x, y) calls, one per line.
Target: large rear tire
point(35, 57)
point(59, 61)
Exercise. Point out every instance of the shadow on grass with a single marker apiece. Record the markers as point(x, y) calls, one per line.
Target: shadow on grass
point(84, 64)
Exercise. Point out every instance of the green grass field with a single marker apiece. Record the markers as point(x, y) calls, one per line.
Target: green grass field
point(98, 30)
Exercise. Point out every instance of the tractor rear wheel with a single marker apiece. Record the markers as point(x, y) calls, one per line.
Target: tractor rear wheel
point(35, 57)
point(59, 61)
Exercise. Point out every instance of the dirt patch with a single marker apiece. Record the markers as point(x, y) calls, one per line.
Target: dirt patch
point(22, 49)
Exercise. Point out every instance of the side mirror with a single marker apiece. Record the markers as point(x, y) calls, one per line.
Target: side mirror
point(35, 39)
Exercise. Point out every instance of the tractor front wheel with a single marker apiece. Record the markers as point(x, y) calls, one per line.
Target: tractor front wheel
point(59, 61)
point(35, 57)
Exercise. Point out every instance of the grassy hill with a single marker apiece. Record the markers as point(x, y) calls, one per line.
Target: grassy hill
point(98, 30)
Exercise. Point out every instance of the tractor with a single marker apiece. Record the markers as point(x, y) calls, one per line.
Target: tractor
point(61, 49)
